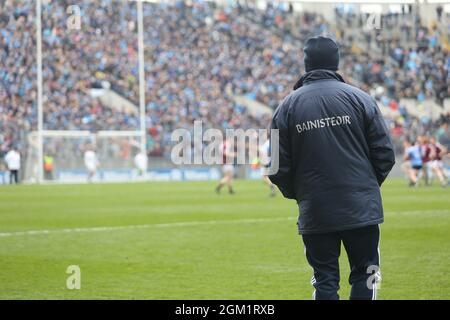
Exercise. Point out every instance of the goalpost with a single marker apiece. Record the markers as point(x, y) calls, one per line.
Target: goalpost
point(115, 149)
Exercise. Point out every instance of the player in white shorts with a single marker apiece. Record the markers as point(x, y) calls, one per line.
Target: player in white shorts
point(91, 162)
point(141, 162)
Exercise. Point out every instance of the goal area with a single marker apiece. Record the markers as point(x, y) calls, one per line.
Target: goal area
point(63, 156)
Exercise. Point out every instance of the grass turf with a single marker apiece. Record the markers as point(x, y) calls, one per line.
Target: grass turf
point(226, 253)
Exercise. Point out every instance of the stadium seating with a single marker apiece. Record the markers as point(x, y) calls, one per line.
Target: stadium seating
point(199, 58)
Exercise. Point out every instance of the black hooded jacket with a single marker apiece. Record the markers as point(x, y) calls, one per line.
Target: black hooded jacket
point(334, 153)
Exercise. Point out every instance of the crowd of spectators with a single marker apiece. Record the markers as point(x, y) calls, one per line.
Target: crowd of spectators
point(76, 58)
point(197, 58)
point(17, 71)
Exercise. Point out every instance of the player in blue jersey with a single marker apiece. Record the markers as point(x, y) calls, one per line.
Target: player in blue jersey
point(414, 156)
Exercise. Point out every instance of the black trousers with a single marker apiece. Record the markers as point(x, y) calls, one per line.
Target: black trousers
point(13, 176)
point(323, 251)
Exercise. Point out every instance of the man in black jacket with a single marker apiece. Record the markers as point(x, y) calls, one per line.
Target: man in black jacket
point(334, 154)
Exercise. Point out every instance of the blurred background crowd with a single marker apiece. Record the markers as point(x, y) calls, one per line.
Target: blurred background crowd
point(199, 58)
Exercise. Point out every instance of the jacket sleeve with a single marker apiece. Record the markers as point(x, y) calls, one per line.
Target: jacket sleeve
point(283, 178)
point(381, 150)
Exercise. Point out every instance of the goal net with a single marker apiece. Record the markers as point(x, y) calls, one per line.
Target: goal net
point(64, 156)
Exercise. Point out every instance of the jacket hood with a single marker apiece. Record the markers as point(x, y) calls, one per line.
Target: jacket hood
point(315, 75)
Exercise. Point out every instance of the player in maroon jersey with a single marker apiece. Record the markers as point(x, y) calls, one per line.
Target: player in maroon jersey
point(437, 151)
point(425, 151)
point(228, 156)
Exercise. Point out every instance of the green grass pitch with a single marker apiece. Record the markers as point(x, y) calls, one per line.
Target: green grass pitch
point(182, 241)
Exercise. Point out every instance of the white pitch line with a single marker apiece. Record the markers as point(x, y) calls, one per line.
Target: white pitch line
point(183, 224)
point(418, 212)
point(142, 226)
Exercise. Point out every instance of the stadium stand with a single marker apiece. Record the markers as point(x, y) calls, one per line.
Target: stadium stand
point(199, 58)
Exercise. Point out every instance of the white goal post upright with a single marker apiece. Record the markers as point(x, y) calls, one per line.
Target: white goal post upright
point(88, 134)
point(141, 62)
point(40, 119)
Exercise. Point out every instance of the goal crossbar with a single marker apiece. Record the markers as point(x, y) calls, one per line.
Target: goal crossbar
point(85, 133)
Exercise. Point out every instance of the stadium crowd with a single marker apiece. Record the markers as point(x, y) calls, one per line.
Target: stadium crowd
point(197, 58)
point(103, 49)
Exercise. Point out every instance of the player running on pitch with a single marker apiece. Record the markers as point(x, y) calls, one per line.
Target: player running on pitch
point(228, 155)
point(413, 164)
point(436, 164)
point(425, 150)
